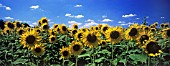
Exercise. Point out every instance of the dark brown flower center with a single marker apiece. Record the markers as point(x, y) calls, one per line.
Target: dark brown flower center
point(52, 33)
point(103, 43)
point(7, 31)
point(21, 32)
point(18, 24)
point(64, 28)
point(76, 47)
point(80, 35)
point(44, 21)
point(45, 27)
point(55, 26)
point(53, 39)
point(10, 25)
point(97, 28)
point(168, 33)
point(38, 31)
point(162, 25)
point(30, 39)
point(65, 53)
point(38, 50)
point(144, 37)
point(91, 38)
point(84, 30)
point(133, 32)
point(153, 47)
point(153, 30)
point(166, 25)
point(105, 28)
point(74, 32)
point(146, 28)
point(76, 27)
point(114, 34)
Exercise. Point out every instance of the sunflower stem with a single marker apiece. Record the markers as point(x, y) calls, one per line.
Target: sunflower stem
point(149, 61)
point(63, 61)
point(76, 60)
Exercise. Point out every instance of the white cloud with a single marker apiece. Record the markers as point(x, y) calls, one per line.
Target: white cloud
point(129, 15)
point(34, 7)
point(74, 22)
point(89, 24)
point(121, 21)
point(34, 23)
point(78, 6)
point(89, 20)
point(137, 18)
point(69, 15)
point(107, 20)
point(162, 17)
point(31, 25)
point(104, 16)
point(123, 24)
point(6, 7)
point(9, 18)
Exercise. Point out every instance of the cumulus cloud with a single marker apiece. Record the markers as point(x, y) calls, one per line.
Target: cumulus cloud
point(128, 15)
point(78, 6)
point(77, 16)
point(74, 22)
point(6, 7)
point(34, 23)
point(123, 24)
point(34, 7)
point(9, 18)
point(137, 18)
point(86, 25)
point(162, 17)
point(104, 16)
point(89, 20)
point(107, 20)
point(121, 21)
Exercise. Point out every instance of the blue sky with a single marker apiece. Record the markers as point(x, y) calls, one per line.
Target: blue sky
point(86, 12)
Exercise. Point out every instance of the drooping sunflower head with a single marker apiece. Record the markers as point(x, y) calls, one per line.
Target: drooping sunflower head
point(91, 39)
point(20, 31)
point(44, 20)
point(75, 26)
point(45, 26)
point(132, 32)
point(30, 38)
point(52, 39)
point(104, 43)
point(65, 52)
point(6, 31)
point(18, 24)
point(143, 38)
point(9, 25)
point(38, 49)
point(63, 29)
point(76, 48)
point(55, 26)
point(104, 28)
point(162, 25)
point(114, 35)
point(73, 32)
point(152, 48)
point(166, 33)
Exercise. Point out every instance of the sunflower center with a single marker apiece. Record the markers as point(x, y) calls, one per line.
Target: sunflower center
point(7, 31)
point(152, 30)
point(38, 50)
point(65, 53)
point(10, 25)
point(97, 28)
point(166, 25)
point(30, 39)
point(53, 39)
point(80, 35)
point(105, 28)
point(64, 28)
point(162, 25)
point(84, 30)
point(153, 47)
point(20, 32)
point(44, 20)
point(76, 27)
point(146, 28)
point(103, 43)
point(91, 38)
point(55, 26)
point(45, 27)
point(38, 31)
point(168, 33)
point(144, 37)
point(52, 33)
point(18, 24)
point(114, 34)
point(74, 32)
point(76, 47)
point(39, 23)
point(133, 32)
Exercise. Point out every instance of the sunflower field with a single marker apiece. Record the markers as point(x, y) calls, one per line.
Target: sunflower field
point(101, 45)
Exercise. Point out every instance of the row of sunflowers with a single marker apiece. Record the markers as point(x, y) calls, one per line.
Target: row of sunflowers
point(100, 45)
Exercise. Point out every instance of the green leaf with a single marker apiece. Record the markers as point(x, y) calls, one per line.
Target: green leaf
point(31, 64)
point(61, 37)
point(104, 52)
point(123, 61)
point(18, 61)
point(138, 57)
point(84, 55)
point(114, 62)
point(87, 58)
point(99, 60)
point(71, 63)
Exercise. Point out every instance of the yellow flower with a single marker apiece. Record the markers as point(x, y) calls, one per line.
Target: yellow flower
point(76, 48)
point(18, 24)
point(63, 29)
point(104, 43)
point(132, 32)
point(45, 26)
point(65, 52)
point(38, 49)
point(9, 25)
point(55, 26)
point(152, 48)
point(104, 28)
point(43, 20)
point(73, 32)
point(75, 26)
point(6, 31)
point(166, 33)
point(52, 39)
point(114, 35)
point(20, 31)
point(79, 35)
point(52, 32)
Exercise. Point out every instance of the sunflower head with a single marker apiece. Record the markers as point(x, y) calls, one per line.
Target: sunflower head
point(156, 23)
point(100, 26)
point(84, 29)
point(9, 25)
point(44, 20)
point(143, 38)
point(152, 48)
point(104, 43)
point(79, 35)
point(162, 25)
point(55, 26)
point(65, 52)
point(152, 30)
point(38, 49)
point(166, 25)
point(38, 30)
point(18, 24)
point(20, 31)
point(75, 26)
point(104, 28)
point(133, 32)
point(39, 22)
point(52, 39)
point(76, 48)
point(6, 31)
point(166, 33)
point(45, 26)
point(63, 29)
point(73, 32)
point(52, 32)
point(96, 28)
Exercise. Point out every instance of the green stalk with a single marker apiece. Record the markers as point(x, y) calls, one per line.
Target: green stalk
point(76, 60)
point(63, 61)
point(149, 61)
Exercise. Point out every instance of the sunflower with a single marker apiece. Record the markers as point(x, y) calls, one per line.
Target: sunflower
point(63, 29)
point(73, 32)
point(9, 25)
point(166, 33)
point(18, 24)
point(20, 31)
point(143, 37)
point(104, 43)
point(152, 29)
point(43, 20)
point(38, 49)
point(76, 48)
point(104, 28)
point(152, 48)
point(38, 30)
point(79, 35)
point(166, 25)
point(39, 22)
point(52, 39)
point(65, 52)
point(55, 26)
point(6, 31)
point(114, 35)
point(52, 32)
point(30, 38)
point(132, 32)
point(84, 29)
point(156, 24)
point(100, 26)
point(75, 26)
point(162, 25)
point(96, 28)
point(45, 26)
point(91, 39)
point(91, 28)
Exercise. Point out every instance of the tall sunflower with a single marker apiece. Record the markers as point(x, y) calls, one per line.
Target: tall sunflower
point(9, 25)
point(166, 25)
point(166, 33)
point(143, 38)
point(132, 32)
point(45, 26)
point(63, 29)
point(76, 48)
point(162, 25)
point(75, 26)
point(20, 31)
point(114, 35)
point(65, 52)
point(152, 48)
point(55, 26)
point(104, 28)
point(79, 35)
point(52, 39)
point(73, 32)
point(30, 38)
point(91, 39)
point(18, 24)
point(6, 31)
point(38, 49)
point(43, 20)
